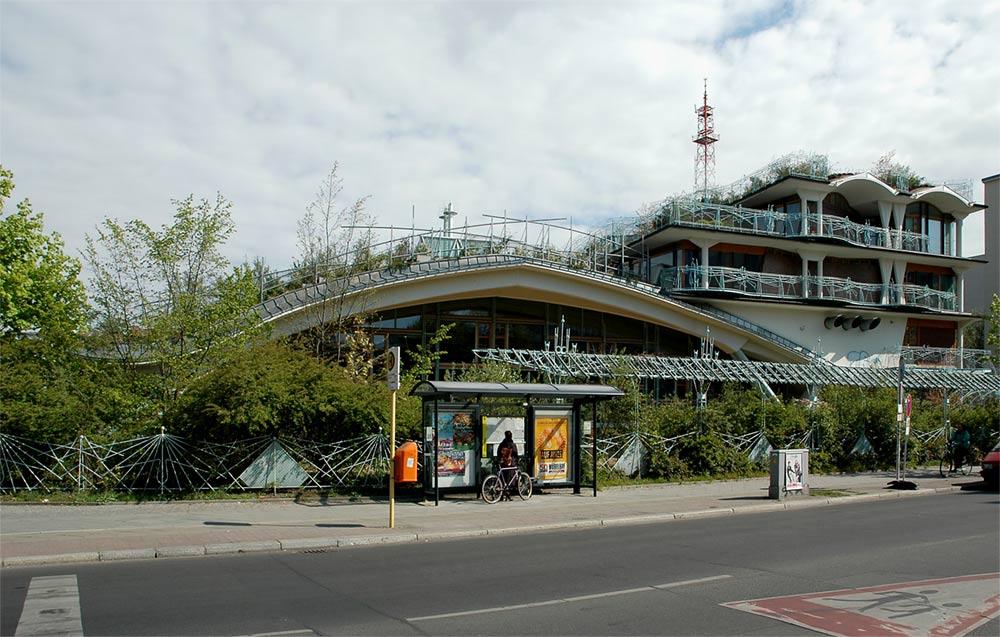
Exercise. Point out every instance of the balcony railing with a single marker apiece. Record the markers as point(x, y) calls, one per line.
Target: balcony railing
point(829, 287)
point(926, 297)
point(721, 217)
point(846, 230)
point(696, 214)
point(964, 358)
point(694, 278)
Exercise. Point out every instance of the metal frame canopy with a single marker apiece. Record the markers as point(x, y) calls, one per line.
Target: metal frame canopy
point(434, 391)
point(445, 390)
point(971, 383)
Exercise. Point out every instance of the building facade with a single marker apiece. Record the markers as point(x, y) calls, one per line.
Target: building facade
point(790, 265)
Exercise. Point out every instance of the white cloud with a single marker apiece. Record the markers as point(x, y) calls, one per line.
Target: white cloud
point(582, 110)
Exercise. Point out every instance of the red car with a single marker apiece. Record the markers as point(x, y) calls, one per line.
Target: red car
point(991, 466)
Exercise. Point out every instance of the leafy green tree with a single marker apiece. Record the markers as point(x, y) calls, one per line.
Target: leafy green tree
point(275, 389)
point(168, 301)
point(40, 287)
point(993, 338)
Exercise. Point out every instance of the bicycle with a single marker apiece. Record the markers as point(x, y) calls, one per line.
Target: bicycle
point(947, 465)
point(498, 485)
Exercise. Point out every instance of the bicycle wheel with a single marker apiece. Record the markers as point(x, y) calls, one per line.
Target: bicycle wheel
point(492, 489)
point(945, 465)
point(971, 460)
point(524, 486)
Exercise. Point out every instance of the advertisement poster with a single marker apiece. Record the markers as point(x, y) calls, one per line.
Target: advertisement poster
point(552, 448)
point(456, 441)
point(793, 471)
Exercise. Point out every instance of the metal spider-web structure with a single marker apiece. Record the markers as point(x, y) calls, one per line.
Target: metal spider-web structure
point(166, 463)
point(626, 453)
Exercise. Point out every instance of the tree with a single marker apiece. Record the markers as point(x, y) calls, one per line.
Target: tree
point(899, 176)
point(168, 300)
point(40, 288)
point(993, 338)
point(330, 238)
point(276, 390)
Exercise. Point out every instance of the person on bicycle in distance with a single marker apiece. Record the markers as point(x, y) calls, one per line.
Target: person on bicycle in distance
point(507, 457)
point(960, 441)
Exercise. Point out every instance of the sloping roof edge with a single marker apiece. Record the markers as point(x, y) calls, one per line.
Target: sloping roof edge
point(444, 389)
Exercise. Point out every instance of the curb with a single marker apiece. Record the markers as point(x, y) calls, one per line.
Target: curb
point(306, 544)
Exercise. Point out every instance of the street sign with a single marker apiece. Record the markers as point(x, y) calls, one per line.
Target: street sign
point(392, 368)
point(909, 405)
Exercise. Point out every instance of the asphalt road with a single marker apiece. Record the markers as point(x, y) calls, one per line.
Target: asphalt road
point(659, 579)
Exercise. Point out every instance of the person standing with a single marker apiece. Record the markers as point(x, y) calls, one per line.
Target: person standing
point(507, 463)
point(960, 442)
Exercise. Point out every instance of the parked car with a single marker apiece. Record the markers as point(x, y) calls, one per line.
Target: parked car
point(990, 466)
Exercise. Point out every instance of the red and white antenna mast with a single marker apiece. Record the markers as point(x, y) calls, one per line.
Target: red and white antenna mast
point(704, 159)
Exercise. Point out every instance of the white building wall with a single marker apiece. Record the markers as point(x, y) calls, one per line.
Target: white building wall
point(806, 326)
point(982, 282)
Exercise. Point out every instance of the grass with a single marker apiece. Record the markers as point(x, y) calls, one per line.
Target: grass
point(828, 493)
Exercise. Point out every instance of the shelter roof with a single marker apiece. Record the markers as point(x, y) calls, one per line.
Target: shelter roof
point(447, 389)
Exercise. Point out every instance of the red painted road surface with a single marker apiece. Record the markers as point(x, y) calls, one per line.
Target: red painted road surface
point(948, 607)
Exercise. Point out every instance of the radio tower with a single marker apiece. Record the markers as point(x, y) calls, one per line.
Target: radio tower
point(704, 159)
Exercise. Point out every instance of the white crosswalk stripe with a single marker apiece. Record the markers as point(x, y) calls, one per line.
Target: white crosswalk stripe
point(52, 607)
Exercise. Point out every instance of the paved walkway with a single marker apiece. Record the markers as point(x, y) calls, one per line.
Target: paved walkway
point(32, 534)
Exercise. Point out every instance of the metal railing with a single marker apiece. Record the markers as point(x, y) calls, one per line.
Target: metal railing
point(694, 278)
point(697, 214)
point(923, 296)
point(952, 357)
point(165, 463)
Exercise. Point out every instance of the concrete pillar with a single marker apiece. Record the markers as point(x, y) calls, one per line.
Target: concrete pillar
point(958, 238)
point(885, 266)
point(960, 291)
point(704, 245)
point(805, 277)
point(899, 216)
point(899, 269)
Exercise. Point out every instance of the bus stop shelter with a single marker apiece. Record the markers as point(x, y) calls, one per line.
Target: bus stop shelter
point(459, 438)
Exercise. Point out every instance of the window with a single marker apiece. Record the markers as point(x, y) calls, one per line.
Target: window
point(925, 219)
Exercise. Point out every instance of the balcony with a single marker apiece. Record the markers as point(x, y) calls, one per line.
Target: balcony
point(790, 287)
point(695, 214)
point(964, 358)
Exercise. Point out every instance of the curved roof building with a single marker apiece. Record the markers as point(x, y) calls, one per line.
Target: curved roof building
point(795, 265)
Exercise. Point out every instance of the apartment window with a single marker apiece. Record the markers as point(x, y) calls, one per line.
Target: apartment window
point(923, 218)
point(752, 262)
point(940, 281)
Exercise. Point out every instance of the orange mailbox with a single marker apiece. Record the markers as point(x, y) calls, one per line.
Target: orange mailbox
point(406, 462)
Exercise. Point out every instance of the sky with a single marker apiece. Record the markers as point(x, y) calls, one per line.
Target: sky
point(582, 111)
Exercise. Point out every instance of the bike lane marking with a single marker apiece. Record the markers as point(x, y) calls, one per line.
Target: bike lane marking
point(568, 600)
point(948, 607)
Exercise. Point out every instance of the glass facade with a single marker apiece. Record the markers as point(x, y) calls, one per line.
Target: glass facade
point(923, 218)
point(504, 323)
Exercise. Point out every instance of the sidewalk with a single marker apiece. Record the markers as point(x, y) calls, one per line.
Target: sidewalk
point(34, 534)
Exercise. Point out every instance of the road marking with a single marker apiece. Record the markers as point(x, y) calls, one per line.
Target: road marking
point(569, 600)
point(305, 632)
point(947, 607)
point(52, 607)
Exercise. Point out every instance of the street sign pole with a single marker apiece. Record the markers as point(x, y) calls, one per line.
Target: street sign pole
point(392, 378)
point(392, 462)
point(899, 412)
point(901, 449)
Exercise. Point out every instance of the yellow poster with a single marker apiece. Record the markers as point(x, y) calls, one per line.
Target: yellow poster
point(552, 448)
